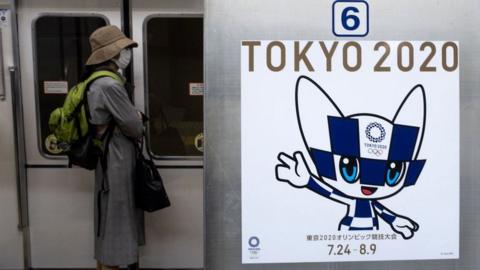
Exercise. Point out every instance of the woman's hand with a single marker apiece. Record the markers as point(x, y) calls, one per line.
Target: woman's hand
point(142, 116)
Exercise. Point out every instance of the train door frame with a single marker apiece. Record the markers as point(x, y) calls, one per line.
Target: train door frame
point(12, 98)
point(183, 176)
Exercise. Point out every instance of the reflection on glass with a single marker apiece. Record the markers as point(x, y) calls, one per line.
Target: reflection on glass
point(62, 47)
point(174, 71)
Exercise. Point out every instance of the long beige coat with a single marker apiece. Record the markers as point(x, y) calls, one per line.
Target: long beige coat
point(119, 226)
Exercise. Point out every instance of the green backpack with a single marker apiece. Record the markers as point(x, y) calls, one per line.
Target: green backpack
point(71, 132)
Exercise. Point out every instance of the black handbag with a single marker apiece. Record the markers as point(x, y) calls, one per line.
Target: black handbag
point(150, 193)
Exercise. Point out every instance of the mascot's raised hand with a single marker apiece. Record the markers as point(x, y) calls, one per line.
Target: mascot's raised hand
point(293, 170)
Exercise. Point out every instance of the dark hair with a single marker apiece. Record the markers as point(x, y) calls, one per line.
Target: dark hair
point(88, 70)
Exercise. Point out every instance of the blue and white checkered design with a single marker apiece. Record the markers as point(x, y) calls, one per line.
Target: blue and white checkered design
point(345, 141)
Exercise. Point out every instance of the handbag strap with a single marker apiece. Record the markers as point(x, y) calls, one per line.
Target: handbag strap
point(107, 136)
point(139, 145)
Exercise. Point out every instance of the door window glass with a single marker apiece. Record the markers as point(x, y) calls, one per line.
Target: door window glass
point(174, 83)
point(61, 48)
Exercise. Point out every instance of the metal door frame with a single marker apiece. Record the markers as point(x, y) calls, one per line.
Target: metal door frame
point(21, 159)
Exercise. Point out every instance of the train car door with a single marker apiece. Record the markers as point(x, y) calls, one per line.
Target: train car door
point(168, 74)
point(53, 40)
point(168, 69)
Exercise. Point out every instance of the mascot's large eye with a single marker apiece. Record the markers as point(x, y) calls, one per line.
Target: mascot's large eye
point(349, 169)
point(394, 172)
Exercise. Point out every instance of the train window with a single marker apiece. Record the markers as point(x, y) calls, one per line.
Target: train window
point(61, 48)
point(174, 79)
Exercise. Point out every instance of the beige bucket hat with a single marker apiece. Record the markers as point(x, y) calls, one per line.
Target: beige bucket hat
point(106, 43)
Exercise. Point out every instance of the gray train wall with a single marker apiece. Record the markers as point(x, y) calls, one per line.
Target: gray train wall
point(341, 131)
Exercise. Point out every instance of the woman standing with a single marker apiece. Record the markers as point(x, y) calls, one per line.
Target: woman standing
point(119, 225)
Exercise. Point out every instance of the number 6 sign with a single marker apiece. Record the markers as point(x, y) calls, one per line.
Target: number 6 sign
point(350, 18)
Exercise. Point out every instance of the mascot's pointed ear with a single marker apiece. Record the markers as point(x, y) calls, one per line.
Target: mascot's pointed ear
point(314, 106)
point(413, 112)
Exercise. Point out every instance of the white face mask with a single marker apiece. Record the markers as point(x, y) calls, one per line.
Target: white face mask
point(124, 59)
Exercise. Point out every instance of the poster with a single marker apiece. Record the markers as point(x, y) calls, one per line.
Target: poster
point(350, 150)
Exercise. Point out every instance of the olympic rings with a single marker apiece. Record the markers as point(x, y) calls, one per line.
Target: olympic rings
point(377, 126)
point(376, 152)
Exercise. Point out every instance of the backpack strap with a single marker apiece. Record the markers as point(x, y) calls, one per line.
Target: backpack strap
point(111, 126)
point(104, 73)
point(84, 102)
point(104, 188)
point(97, 75)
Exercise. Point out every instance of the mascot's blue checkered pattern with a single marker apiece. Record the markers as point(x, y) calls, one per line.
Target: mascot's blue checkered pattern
point(359, 159)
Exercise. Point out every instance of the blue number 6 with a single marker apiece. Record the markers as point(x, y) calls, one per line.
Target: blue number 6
point(346, 17)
